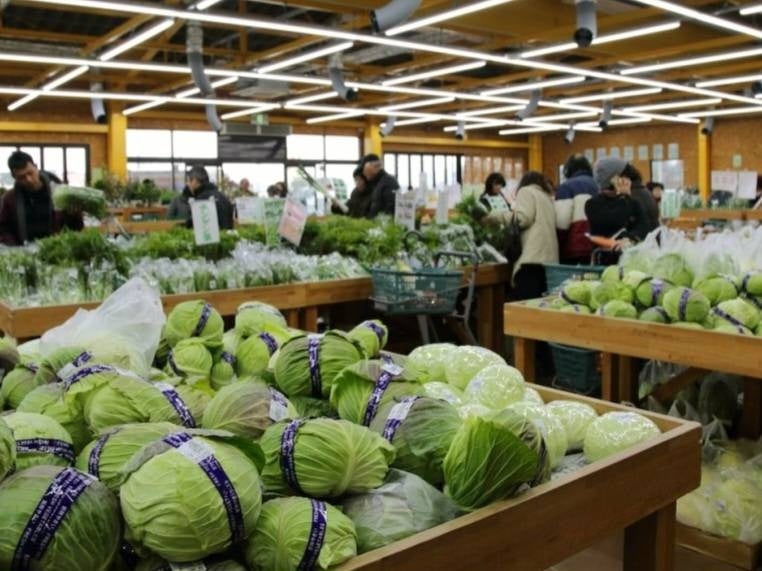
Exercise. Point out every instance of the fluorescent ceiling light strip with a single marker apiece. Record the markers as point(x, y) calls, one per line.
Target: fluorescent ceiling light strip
point(492, 110)
point(315, 54)
point(615, 122)
point(21, 102)
point(724, 112)
point(654, 116)
point(421, 103)
point(336, 117)
point(674, 105)
point(435, 73)
point(250, 111)
point(563, 116)
point(528, 130)
point(729, 80)
point(446, 15)
point(406, 122)
point(749, 10)
point(142, 107)
point(204, 4)
point(311, 98)
point(127, 45)
point(709, 19)
point(475, 126)
point(65, 78)
point(689, 62)
point(215, 84)
point(604, 39)
point(275, 25)
point(533, 86)
point(613, 95)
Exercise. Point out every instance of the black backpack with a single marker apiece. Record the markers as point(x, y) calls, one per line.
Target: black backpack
point(513, 240)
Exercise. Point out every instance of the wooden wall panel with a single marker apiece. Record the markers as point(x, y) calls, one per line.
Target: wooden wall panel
point(737, 136)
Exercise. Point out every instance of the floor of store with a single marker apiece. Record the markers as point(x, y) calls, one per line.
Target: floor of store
point(606, 556)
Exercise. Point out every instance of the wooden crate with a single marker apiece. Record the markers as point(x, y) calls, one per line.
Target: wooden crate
point(736, 553)
point(635, 490)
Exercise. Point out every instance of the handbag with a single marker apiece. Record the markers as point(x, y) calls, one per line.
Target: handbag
point(513, 240)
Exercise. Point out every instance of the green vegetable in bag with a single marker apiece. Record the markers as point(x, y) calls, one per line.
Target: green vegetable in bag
point(575, 418)
point(429, 362)
point(495, 387)
point(549, 425)
point(80, 199)
point(445, 392)
point(674, 269)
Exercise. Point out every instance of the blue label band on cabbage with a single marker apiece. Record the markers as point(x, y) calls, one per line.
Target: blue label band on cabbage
point(203, 456)
point(657, 287)
point(727, 317)
point(375, 397)
point(287, 460)
point(229, 358)
point(386, 358)
point(316, 539)
point(177, 403)
point(94, 459)
point(682, 308)
point(173, 365)
point(377, 329)
point(313, 354)
point(745, 282)
point(269, 340)
point(663, 312)
point(86, 372)
point(206, 313)
point(76, 363)
point(59, 448)
point(397, 416)
point(756, 301)
point(61, 495)
point(566, 298)
point(30, 367)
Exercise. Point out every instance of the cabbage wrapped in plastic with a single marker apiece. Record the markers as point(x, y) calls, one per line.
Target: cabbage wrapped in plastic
point(684, 304)
point(307, 365)
point(489, 460)
point(300, 533)
point(191, 360)
point(9, 354)
point(216, 563)
point(575, 418)
point(189, 496)
point(360, 390)
point(532, 396)
point(49, 400)
point(551, 428)
point(618, 309)
point(404, 505)
point(610, 291)
point(40, 440)
point(253, 354)
point(421, 430)
point(247, 409)
point(495, 387)
point(674, 269)
point(466, 362)
point(738, 312)
point(650, 293)
point(751, 283)
point(194, 319)
point(7, 450)
point(84, 531)
point(617, 431)
point(654, 315)
point(107, 456)
point(372, 336)
point(16, 384)
point(738, 504)
point(717, 289)
point(254, 317)
point(577, 292)
point(445, 392)
point(581, 309)
point(323, 458)
point(473, 409)
point(429, 362)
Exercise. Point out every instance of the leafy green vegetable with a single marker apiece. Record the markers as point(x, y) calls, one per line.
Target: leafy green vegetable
point(49, 400)
point(7, 450)
point(80, 199)
point(39, 440)
point(683, 304)
point(496, 387)
point(466, 362)
point(575, 418)
point(194, 319)
point(617, 431)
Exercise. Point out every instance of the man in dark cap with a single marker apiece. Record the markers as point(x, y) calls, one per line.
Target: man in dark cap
point(380, 184)
point(199, 187)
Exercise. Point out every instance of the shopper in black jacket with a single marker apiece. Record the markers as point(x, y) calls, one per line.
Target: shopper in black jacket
point(198, 187)
point(382, 186)
point(643, 197)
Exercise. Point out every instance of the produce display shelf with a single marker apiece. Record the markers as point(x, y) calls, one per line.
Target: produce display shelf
point(742, 555)
point(127, 213)
point(634, 490)
point(144, 227)
point(298, 301)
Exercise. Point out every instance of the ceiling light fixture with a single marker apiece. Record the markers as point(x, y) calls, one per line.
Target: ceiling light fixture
point(435, 73)
point(492, 111)
point(311, 98)
point(65, 78)
point(724, 112)
point(749, 10)
point(612, 95)
point(138, 39)
point(528, 130)
point(215, 84)
point(250, 111)
point(446, 15)
point(709, 19)
point(690, 62)
point(617, 122)
point(308, 56)
point(729, 80)
point(204, 4)
point(536, 85)
point(416, 104)
point(674, 105)
point(335, 117)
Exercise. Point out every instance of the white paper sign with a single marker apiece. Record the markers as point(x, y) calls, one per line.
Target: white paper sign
point(614, 153)
point(292, 222)
point(404, 210)
point(673, 151)
point(642, 152)
point(443, 208)
point(206, 227)
point(747, 185)
point(670, 204)
point(725, 180)
point(657, 152)
point(628, 153)
point(251, 210)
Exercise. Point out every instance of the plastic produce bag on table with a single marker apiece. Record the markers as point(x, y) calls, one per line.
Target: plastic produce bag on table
point(656, 373)
point(133, 314)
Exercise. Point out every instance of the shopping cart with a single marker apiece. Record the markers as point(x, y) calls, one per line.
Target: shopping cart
point(429, 292)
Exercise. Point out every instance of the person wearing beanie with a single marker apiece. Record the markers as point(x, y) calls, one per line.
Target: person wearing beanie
point(571, 221)
point(643, 197)
point(380, 184)
point(613, 211)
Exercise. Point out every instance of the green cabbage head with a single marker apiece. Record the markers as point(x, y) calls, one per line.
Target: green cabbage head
point(651, 292)
point(87, 537)
point(16, 384)
point(581, 309)
point(654, 315)
point(253, 354)
point(49, 400)
point(549, 425)
point(254, 317)
point(683, 304)
point(717, 289)
point(445, 392)
point(737, 312)
point(192, 360)
point(620, 309)
point(674, 269)
point(495, 387)
point(194, 319)
point(372, 336)
point(751, 283)
point(575, 418)
point(466, 362)
point(617, 431)
point(613, 274)
point(577, 292)
point(610, 291)
point(7, 450)
point(39, 440)
point(287, 537)
point(429, 362)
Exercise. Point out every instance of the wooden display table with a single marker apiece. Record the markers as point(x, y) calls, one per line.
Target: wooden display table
point(692, 218)
point(145, 227)
point(621, 341)
point(300, 303)
point(635, 490)
point(136, 213)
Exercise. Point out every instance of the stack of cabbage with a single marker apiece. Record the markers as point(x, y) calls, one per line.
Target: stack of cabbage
point(265, 448)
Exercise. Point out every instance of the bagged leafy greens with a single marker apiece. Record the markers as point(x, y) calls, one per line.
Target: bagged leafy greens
point(550, 426)
point(495, 387)
point(429, 362)
point(80, 199)
point(445, 392)
point(575, 418)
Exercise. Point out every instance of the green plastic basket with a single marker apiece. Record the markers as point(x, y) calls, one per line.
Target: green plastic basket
point(557, 274)
point(576, 369)
point(433, 291)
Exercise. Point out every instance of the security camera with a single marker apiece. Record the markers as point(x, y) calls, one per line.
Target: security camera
point(608, 108)
point(587, 24)
point(388, 126)
point(570, 134)
point(708, 127)
point(460, 132)
point(756, 88)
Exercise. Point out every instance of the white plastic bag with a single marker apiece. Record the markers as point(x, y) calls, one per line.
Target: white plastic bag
point(133, 314)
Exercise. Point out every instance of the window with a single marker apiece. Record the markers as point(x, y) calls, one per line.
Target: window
point(70, 163)
point(149, 143)
point(306, 147)
point(342, 148)
point(259, 175)
point(410, 169)
point(194, 144)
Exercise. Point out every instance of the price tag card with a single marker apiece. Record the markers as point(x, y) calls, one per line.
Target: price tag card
point(206, 227)
point(497, 203)
point(747, 185)
point(292, 222)
point(404, 210)
point(670, 204)
point(251, 210)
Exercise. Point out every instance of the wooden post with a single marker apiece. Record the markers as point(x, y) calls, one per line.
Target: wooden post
point(535, 153)
point(310, 317)
point(117, 144)
point(498, 297)
point(704, 165)
point(649, 544)
point(751, 421)
point(628, 379)
point(372, 140)
point(523, 353)
point(609, 383)
point(486, 313)
point(292, 318)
